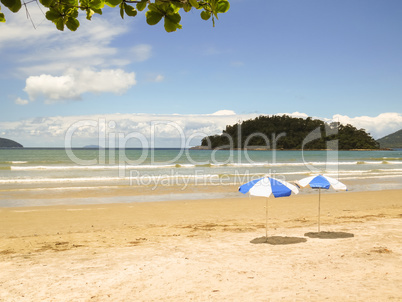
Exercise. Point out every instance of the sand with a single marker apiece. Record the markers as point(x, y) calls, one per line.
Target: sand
point(206, 250)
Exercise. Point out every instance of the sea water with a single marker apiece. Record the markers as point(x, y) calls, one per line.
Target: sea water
point(33, 170)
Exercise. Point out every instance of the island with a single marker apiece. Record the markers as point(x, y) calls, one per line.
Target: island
point(8, 143)
point(290, 133)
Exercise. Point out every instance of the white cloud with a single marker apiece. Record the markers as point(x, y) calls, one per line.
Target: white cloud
point(154, 77)
point(74, 83)
point(224, 112)
point(378, 126)
point(18, 30)
point(141, 52)
point(296, 114)
point(169, 130)
point(159, 78)
point(47, 50)
point(63, 65)
point(20, 101)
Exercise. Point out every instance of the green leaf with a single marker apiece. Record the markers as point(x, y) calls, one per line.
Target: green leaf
point(153, 7)
point(70, 2)
point(122, 9)
point(212, 4)
point(170, 26)
point(72, 24)
point(174, 9)
point(141, 5)
point(175, 18)
point(205, 15)
point(90, 13)
point(187, 7)
point(113, 3)
point(172, 22)
point(2, 18)
point(46, 3)
point(167, 9)
point(223, 6)
point(73, 13)
point(153, 17)
point(13, 5)
point(60, 24)
point(52, 15)
point(97, 4)
point(194, 3)
point(97, 11)
point(130, 11)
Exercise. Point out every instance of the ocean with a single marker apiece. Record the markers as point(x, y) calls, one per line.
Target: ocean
point(55, 176)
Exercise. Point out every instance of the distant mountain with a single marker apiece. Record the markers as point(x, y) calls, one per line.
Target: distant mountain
point(393, 140)
point(8, 143)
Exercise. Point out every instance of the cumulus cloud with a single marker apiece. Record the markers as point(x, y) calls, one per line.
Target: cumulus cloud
point(54, 62)
point(378, 126)
point(74, 83)
point(224, 112)
point(20, 101)
point(158, 130)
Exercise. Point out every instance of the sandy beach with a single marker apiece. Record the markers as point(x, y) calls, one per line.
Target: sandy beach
point(205, 250)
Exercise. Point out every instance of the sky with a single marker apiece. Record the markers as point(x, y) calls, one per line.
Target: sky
point(332, 60)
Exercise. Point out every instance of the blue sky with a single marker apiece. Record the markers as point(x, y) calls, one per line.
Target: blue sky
point(327, 59)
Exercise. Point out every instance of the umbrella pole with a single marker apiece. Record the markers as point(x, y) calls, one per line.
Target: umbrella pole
point(266, 220)
point(319, 202)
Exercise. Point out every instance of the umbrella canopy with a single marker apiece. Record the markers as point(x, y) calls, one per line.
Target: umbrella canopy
point(265, 187)
point(321, 182)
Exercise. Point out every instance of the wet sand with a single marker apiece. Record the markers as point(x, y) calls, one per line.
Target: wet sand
point(205, 250)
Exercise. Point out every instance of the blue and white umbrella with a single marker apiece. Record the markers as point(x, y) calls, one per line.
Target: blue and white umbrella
point(321, 182)
point(265, 186)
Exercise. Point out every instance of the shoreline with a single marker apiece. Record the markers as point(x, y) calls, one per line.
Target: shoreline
point(51, 177)
point(161, 192)
point(261, 148)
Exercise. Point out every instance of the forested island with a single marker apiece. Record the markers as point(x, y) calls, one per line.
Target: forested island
point(290, 133)
point(8, 143)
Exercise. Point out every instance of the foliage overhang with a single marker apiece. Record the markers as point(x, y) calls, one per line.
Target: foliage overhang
point(64, 13)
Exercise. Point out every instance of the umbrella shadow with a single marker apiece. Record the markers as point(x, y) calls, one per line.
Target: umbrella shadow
point(329, 235)
point(278, 240)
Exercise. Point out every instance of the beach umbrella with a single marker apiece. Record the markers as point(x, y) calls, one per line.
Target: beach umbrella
point(321, 182)
point(265, 187)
